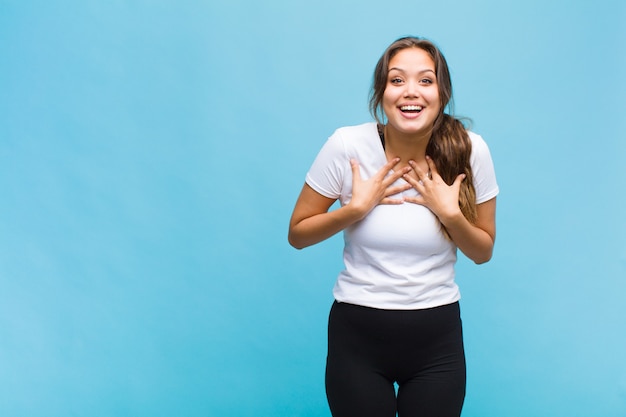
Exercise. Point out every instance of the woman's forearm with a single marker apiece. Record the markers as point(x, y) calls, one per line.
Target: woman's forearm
point(473, 241)
point(319, 227)
point(477, 240)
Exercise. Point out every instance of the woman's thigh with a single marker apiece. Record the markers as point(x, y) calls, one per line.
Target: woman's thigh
point(356, 384)
point(435, 385)
point(437, 390)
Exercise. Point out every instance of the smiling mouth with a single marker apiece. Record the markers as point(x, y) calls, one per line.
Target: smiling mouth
point(411, 109)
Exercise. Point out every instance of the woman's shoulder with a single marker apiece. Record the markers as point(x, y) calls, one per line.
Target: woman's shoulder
point(479, 145)
point(475, 137)
point(364, 130)
point(356, 138)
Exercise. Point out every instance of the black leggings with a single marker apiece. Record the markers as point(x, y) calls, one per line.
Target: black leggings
point(370, 349)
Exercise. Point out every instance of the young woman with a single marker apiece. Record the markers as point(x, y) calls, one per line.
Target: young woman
point(414, 186)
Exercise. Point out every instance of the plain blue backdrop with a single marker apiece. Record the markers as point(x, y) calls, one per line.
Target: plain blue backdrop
point(151, 153)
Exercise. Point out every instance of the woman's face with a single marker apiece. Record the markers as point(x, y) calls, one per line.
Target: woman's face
point(411, 97)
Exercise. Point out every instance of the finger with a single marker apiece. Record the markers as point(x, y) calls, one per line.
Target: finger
point(397, 189)
point(382, 173)
point(412, 181)
point(420, 173)
point(434, 174)
point(396, 175)
point(415, 200)
point(392, 163)
point(388, 200)
point(458, 180)
point(431, 165)
point(356, 172)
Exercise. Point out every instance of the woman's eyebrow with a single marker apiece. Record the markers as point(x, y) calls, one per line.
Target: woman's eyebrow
point(419, 72)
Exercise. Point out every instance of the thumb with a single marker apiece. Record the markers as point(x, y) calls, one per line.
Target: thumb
point(356, 172)
point(458, 180)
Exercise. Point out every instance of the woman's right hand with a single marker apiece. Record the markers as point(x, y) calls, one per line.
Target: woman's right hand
point(311, 222)
point(367, 194)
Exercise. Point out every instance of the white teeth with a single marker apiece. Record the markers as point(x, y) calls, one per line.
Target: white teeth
point(411, 108)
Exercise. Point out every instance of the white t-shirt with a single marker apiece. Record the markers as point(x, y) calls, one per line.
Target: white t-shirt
point(397, 257)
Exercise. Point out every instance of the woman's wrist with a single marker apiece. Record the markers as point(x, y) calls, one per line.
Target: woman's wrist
point(449, 220)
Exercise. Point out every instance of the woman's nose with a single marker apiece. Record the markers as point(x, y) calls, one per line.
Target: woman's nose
point(412, 89)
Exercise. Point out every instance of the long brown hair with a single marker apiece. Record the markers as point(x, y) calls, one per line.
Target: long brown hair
point(449, 145)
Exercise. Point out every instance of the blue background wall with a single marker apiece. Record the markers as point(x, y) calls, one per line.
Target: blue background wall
point(151, 153)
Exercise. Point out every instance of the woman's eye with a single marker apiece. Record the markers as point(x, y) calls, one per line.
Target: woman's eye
point(395, 80)
point(427, 81)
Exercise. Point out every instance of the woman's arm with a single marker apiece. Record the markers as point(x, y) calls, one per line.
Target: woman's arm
point(476, 241)
point(311, 222)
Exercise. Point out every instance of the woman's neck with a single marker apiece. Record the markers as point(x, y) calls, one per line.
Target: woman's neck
point(405, 146)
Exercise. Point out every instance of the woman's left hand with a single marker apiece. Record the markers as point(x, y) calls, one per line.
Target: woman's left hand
point(442, 199)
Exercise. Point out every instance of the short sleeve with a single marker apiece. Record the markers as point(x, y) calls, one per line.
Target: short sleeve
point(482, 167)
point(326, 175)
